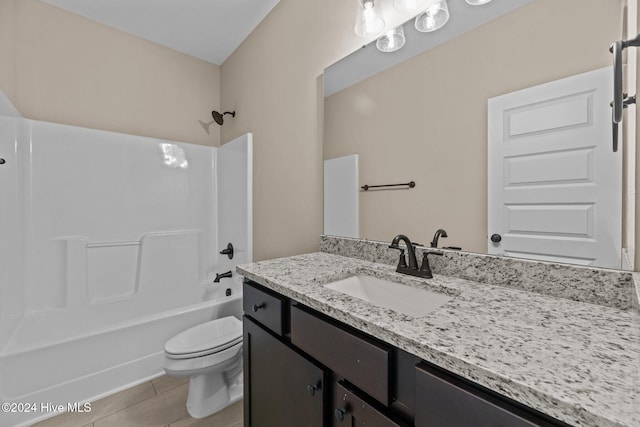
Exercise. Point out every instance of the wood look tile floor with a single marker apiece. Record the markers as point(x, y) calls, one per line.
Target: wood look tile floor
point(159, 402)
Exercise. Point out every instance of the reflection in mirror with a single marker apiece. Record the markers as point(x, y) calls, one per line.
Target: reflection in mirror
point(426, 120)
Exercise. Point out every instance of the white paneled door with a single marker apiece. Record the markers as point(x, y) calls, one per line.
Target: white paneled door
point(555, 184)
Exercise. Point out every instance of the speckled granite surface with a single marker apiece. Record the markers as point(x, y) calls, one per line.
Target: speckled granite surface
point(575, 361)
point(611, 288)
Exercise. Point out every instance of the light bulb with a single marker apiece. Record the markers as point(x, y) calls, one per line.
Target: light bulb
point(477, 2)
point(433, 18)
point(392, 40)
point(368, 23)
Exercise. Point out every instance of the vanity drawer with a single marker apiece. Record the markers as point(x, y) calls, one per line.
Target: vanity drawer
point(362, 362)
point(263, 307)
point(350, 410)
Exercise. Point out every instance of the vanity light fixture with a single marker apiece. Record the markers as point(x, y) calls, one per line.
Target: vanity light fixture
point(433, 18)
point(368, 22)
point(408, 5)
point(392, 40)
point(477, 2)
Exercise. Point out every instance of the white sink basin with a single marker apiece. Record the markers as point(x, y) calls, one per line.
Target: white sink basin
point(396, 296)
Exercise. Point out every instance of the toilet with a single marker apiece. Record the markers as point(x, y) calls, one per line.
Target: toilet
point(211, 355)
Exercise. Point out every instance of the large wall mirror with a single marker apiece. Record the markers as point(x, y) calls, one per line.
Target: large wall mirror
point(424, 117)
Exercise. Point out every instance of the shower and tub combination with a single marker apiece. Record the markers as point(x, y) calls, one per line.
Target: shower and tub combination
point(109, 246)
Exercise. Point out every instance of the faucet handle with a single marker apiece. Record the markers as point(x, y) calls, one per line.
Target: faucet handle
point(402, 262)
point(425, 263)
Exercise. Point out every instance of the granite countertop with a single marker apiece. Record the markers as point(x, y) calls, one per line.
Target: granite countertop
point(575, 361)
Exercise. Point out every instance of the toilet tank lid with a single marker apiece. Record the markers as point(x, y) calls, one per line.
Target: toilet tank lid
point(209, 335)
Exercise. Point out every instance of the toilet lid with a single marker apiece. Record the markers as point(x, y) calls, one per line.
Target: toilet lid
point(206, 338)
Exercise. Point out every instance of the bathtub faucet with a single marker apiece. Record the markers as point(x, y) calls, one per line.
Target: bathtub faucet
point(222, 276)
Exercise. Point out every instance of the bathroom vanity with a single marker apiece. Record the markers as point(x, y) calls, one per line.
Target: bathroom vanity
point(306, 369)
point(489, 355)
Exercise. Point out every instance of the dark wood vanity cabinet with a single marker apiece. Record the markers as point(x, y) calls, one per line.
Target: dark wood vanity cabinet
point(304, 369)
point(282, 388)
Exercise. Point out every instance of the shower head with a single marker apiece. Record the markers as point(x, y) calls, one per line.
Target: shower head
point(218, 117)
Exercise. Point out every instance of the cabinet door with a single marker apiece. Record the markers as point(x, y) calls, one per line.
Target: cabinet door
point(444, 402)
point(281, 387)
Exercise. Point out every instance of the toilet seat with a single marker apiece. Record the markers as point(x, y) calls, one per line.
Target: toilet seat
point(205, 339)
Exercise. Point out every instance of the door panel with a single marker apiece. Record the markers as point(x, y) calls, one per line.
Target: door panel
point(555, 185)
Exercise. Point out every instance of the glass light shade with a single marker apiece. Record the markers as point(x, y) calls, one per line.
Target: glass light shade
point(433, 18)
point(477, 2)
point(408, 5)
point(392, 40)
point(368, 22)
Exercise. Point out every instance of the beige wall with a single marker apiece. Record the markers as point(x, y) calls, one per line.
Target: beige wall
point(426, 119)
point(60, 67)
point(272, 81)
point(57, 66)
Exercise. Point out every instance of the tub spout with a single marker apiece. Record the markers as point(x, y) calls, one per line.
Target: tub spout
point(222, 276)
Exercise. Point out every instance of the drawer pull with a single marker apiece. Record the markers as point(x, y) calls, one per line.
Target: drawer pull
point(257, 307)
point(312, 388)
point(340, 413)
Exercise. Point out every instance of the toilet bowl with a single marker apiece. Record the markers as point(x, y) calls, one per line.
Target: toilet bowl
point(211, 355)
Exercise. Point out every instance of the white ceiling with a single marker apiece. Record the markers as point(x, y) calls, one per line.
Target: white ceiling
point(207, 29)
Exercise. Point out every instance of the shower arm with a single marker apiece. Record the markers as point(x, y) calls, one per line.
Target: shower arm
point(620, 101)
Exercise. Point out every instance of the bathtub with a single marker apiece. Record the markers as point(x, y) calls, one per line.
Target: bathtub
point(85, 366)
point(109, 246)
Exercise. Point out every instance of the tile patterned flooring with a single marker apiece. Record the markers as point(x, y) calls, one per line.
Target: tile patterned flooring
point(159, 402)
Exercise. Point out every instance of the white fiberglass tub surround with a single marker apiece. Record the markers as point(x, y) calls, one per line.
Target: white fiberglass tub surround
point(109, 247)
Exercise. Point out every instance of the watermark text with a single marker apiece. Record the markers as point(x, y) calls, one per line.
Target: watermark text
point(44, 407)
